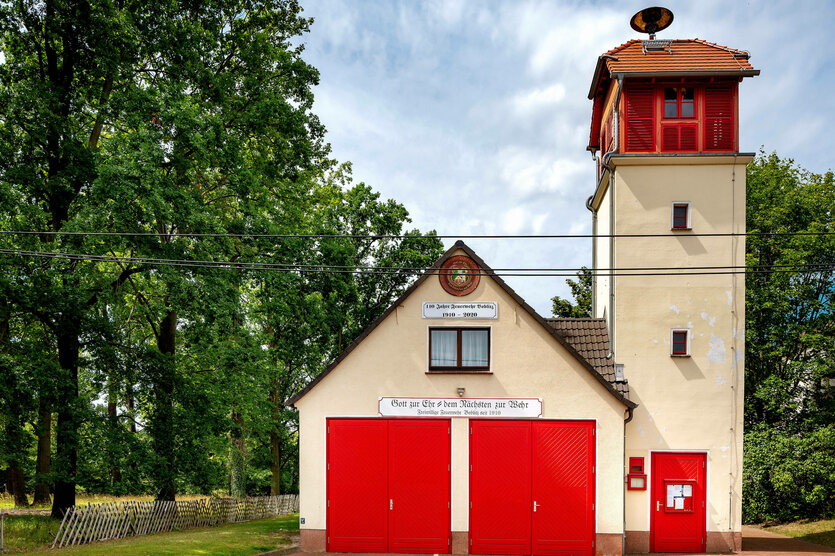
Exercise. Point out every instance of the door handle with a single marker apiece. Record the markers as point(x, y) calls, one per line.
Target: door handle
point(535, 505)
point(391, 503)
point(658, 505)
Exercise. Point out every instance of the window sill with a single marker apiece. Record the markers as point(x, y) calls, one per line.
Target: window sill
point(681, 229)
point(679, 355)
point(459, 372)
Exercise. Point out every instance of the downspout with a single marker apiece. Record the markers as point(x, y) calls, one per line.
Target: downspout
point(605, 162)
point(629, 416)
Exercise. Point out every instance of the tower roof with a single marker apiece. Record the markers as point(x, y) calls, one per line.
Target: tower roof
point(681, 57)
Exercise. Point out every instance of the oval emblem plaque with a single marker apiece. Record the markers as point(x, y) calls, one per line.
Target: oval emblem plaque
point(459, 275)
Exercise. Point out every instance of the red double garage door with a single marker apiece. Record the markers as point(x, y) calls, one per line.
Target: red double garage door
point(388, 485)
point(531, 486)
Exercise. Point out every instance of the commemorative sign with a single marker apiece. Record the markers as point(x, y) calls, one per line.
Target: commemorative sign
point(461, 407)
point(442, 310)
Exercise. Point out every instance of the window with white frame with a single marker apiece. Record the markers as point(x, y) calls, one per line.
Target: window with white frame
point(680, 342)
point(680, 217)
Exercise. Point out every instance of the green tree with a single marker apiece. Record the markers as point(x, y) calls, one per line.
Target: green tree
point(581, 292)
point(790, 322)
point(158, 118)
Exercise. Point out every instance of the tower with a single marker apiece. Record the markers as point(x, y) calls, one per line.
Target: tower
point(670, 195)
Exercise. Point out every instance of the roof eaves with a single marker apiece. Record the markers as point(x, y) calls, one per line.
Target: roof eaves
point(429, 272)
point(488, 272)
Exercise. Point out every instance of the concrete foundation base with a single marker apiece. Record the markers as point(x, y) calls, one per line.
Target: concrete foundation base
point(637, 542)
point(608, 544)
point(460, 542)
point(312, 540)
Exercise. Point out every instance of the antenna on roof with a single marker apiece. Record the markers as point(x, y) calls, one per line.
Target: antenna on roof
point(651, 20)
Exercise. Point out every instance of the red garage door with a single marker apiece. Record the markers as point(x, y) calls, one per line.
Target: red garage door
point(532, 487)
point(678, 500)
point(389, 485)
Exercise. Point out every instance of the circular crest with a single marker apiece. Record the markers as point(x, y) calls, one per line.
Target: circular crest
point(459, 275)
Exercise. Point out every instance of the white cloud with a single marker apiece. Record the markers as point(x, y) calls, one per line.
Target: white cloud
point(474, 114)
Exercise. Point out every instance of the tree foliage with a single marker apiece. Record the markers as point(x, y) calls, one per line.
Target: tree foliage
point(789, 461)
point(581, 291)
point(186, 132)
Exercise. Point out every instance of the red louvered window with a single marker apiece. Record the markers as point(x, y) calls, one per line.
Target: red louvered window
point(640, 119)
point(719, 119)
point(677, 135)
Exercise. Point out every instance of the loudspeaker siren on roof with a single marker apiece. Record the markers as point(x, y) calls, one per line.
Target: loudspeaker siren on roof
point(651, 20)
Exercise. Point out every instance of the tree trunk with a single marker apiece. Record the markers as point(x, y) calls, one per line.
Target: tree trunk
point(129, 407)
point(237, 458)
point(19, 486)
point(113, 426)
point(163, 440)
point(9, 483)
point(66, 455)
point(43, 463)
point(275, 443)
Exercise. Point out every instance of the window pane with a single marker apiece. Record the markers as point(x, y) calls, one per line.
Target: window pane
point(444, 348)
point(474, 348)
point(680, 343)
point(679, 216)
point(670, 103)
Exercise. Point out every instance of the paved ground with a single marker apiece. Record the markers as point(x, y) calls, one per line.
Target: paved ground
point(754, 543)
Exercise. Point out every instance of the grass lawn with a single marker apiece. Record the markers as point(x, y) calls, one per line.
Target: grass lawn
point(820, 532)
point(33, 535)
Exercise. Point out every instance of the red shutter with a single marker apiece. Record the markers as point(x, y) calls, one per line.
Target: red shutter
point(640, 119)
point(678, 137)
point(719, 119)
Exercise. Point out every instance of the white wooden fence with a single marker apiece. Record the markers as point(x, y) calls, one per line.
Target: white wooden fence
point(101, 522)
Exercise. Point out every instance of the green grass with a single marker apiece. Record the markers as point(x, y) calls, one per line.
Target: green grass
point(819, 531)
point(33, 535)
point(26, 531)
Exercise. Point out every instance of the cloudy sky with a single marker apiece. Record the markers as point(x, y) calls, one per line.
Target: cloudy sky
point(475, 115)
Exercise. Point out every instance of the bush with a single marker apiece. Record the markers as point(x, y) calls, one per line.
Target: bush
point(788, 477)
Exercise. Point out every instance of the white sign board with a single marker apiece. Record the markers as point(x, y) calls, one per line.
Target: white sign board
point(439, 310)
point(461, 407)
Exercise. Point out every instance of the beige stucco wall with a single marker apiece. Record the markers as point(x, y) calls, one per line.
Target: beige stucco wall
point(526, 362)
point(693, 403)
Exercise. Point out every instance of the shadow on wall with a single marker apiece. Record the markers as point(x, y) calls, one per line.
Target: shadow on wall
point(688, 368)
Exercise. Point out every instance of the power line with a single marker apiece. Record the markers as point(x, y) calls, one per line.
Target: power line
point(403, 236)
point(341, 269)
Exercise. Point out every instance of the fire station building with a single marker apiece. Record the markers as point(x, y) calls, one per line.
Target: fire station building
point(462, 421)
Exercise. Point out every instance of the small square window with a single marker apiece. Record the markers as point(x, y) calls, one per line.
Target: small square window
point(680, 344)
point(463, 350)
point(681, 216)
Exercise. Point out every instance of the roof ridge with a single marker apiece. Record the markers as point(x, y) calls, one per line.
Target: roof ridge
point(624, 45)
point(487, 271)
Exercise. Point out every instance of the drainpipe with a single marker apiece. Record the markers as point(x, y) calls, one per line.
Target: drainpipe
point(605, 162)
point(593, 249)
point(629, 416)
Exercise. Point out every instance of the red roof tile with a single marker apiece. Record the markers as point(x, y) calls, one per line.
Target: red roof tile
point(681, 56)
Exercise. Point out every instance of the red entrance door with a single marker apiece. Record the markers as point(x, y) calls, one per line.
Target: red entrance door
point(532, 487)
point(678, 502)
point(563, 487)
point(388, 485)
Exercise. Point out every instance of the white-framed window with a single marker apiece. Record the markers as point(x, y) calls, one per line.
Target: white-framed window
point(680, 215)
point(680, 342)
